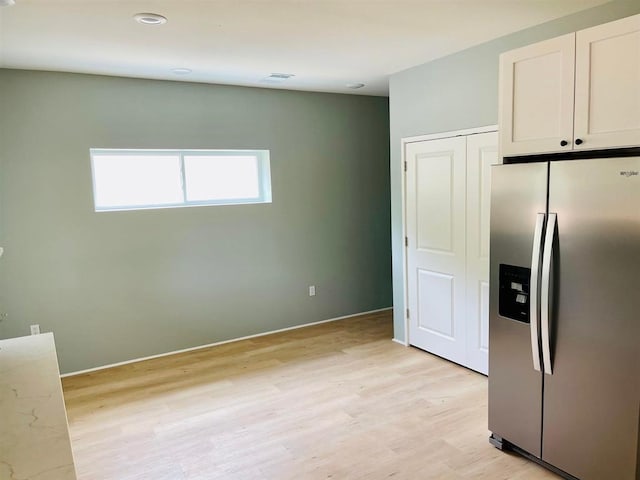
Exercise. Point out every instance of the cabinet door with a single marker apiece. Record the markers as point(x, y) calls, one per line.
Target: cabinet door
point(435, 222)
point(482, 152)
point(536, 97)
point(607, 105)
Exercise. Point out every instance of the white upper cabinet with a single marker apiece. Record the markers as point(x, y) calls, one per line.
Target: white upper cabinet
point(536, 97)
point(608, 85)
point(545, 107)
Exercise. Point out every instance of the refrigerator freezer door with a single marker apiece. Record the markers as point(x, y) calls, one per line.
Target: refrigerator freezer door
point(518, 196)
point(592, 400)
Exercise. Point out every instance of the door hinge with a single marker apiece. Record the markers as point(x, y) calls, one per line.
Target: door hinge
point(405, 166)
point(408, 316)
point(406, 241)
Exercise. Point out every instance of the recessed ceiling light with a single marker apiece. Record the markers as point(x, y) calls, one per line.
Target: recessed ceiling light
point(355, 85)
point(150, 18)
point(181, 71)
point(7, 3)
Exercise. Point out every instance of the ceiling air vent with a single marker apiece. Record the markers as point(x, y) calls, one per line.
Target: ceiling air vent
point(277, 77)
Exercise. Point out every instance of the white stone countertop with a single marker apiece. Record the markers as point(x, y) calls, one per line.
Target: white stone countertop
point(34, 435)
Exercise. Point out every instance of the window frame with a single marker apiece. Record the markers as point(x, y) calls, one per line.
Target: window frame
point(263, 164)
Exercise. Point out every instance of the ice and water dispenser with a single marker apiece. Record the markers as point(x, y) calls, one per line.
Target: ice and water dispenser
point(513, 300)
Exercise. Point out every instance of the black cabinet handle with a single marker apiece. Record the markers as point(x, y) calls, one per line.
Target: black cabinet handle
point(578, 141)
point(564, 143)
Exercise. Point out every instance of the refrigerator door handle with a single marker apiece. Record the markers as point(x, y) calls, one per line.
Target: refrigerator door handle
point(545, 295)
point(534, 297)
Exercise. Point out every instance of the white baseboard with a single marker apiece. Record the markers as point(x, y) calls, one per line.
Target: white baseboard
point(199, 347)
point(401, 342)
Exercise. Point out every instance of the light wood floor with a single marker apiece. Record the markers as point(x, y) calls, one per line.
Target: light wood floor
point(338, 400)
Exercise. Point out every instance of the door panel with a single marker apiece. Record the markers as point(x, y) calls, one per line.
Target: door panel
point(607, 111)
point(435, 303)
point(518, 195)
point(536, 97)
point(482, 153)
point(435, 201)
point(591, 406)
point(435, 209)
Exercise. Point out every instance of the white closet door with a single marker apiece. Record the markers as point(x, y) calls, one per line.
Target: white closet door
point(435, 209)
point(608, 85)
point(482, 152)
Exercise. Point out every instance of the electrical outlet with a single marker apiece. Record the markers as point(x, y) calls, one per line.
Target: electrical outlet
point(35, 329)
point(312, 290)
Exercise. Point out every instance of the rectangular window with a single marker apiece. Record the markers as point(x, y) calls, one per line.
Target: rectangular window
point(139, 179)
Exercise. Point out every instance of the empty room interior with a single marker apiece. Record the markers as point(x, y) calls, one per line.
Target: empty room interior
point(356, 239)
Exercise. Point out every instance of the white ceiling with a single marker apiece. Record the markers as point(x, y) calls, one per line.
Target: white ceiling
point(325, 43)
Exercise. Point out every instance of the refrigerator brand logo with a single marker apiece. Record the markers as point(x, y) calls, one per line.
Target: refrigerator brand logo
point(629, 173)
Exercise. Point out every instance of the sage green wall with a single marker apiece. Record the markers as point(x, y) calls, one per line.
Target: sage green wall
point(120, 285)
point(457, 92)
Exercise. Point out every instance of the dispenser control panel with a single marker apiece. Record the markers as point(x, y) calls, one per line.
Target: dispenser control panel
point(514, 292)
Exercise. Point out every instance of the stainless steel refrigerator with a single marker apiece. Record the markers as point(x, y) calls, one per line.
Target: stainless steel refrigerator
point(564, 327)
